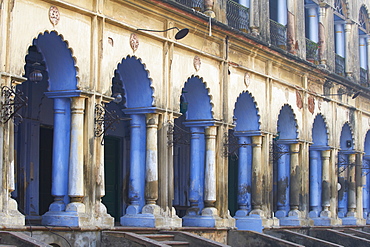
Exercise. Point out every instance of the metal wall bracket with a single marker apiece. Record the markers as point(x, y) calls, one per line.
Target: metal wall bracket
point(13, 101)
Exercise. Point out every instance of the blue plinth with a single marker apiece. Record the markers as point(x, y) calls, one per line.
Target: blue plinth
point(291, 221)
point(199, 221)
point(322, 221)
point(349, 221)
point(138, 220)
point(249, 223)
point(70, 219)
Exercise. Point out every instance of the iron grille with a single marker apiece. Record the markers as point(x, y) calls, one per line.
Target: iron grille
point(237, 16)
point(278, 34)
point(194, 4)
point(339, 65)
point(363, 76)
point(311, 51)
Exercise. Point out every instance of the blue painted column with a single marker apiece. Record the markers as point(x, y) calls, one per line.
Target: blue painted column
point(61, 140)
point(283, 164)
point(137, 162)
point(282, 10)
point(313, 22)
point(339, 38)
point(195, 171)
point(363, 51)
point(365, 188)
point(244, 177)
point(315, 189)
point(342, 180)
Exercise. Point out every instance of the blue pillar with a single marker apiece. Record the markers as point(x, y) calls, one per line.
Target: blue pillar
point(62, 125)
point(282, 11)
point(363, 51)
point(313, 22)
point(315, 184)
point(342, 180)
point(339, 38)
point(244, 178)
point(61, 148)
point(137, 160)
point(365, 189)
point(195, 164)
point(283, 182)
point(202, 161)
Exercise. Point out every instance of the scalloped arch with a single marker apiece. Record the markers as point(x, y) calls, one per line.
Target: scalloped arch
point(287, 125)
point(367, 143)
point(250, 120)
point(346, 133)
point(197, 98)
point(364, 7)
point(132, 79)
point(60, 62)
point(318, 136)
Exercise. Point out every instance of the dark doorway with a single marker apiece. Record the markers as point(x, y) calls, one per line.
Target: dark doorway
point(112, 171)
point(45, 168)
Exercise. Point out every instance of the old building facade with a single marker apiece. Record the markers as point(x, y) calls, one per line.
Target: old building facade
point(258, 117)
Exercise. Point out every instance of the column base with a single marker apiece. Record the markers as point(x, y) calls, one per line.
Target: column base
point(12, 218)
point(249, 223)
point(350, 220)
point(70, 219)
point(149, 217)
point(294, 219)
point(208, 218)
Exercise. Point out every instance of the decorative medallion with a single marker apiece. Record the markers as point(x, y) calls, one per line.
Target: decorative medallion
point(197, 63)
point(134, 42)
point(54, 15)
point(311, 104)
point(110, 41)
point(247, 79)
point(319, 103)
point(299, 100)
point(369, 121)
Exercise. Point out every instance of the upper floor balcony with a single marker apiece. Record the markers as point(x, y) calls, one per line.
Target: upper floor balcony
point(312, 51)
point(198, 5)
point(278, 34)
point(237, 16)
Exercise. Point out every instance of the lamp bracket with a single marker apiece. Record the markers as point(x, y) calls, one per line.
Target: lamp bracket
point(13, 101)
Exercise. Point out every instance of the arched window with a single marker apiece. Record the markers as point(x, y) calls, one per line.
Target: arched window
point(278, 23)
point(363, 51)
point(339, 35)
point(237, 13)
point(312, 30)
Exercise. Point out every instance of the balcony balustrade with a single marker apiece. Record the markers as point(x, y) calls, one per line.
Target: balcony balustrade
point(363, 77)
point(237, 16)
point(312, 51)
point(339, 65)
point(278, 34)
point(198, 5)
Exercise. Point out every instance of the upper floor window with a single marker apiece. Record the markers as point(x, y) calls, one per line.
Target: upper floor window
point(312, 30)
point(278, 22)
point(237, 13)
point(363, 39)
point(339, 36)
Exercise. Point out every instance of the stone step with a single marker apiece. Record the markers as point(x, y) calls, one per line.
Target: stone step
point(176, 243)
point(339, 237)
point(159, 237)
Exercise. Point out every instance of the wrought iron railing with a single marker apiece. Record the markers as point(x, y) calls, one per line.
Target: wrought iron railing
point(278, 34)
point(311, 51)
point(195, 4)
point(237, 16)
point(363, 77)
point(339, 65)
